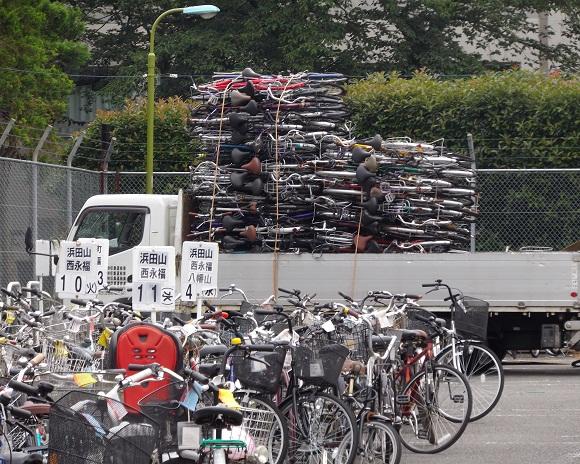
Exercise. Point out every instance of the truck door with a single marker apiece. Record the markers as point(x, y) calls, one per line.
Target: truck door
point(124, 227)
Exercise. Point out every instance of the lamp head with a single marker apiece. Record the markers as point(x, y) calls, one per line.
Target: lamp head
point(205, 11)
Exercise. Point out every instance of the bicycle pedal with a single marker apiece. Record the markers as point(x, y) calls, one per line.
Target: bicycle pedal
point(460, 399)
point(403, 399)
point(422, 434)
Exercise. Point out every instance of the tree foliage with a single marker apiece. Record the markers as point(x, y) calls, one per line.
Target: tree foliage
point(338, 35)
point(39, 47)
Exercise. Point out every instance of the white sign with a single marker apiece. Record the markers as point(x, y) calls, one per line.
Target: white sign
point(199, 270)
point(82, 268)
point(43, 264)
point(154, 278)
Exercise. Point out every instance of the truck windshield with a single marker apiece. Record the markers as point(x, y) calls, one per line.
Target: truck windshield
point(121, 227)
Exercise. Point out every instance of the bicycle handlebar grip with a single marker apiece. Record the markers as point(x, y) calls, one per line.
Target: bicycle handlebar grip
point(141, 367)
point(210, 306)
point(123, 305)
point(289, 292)
point(180, 321)
point(429, 285)
point(345, 296)
point(19, 412)
point(266, 348)
point(413, 297)
point(29, 322)
point(37, 359)
point(8, 293)
point(23, 388)
point(353, 312)
point(48, 313)
point(265, 312)
point(32, 291)
point(224, 289)
point(196, 376)
point(78, 302)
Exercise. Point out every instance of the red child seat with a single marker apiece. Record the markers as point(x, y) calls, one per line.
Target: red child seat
point(144, 343)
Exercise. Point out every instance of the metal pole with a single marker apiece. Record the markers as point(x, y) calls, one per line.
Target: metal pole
point(69, 161)
point(35, 188)
point(471, 149)
point(151, 99)
point(105, 165)
point(7, 130)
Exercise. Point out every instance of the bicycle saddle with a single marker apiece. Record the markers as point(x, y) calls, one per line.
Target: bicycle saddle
point(229, 242)
point(238, 138)
point(36, 409)
point(359, 154)
point(250, 233)
point(371, 163)
point(217, 417)
point(373, 228)
point(376, 142)
point(368, 219)
point(238, 122)
point(240, 181)
point(230, 222)
point(238, 98)
point(253, 166)
point(251, 108)
point(248, 89)
point(364, 176)
point(209, 370)
point(381, 341)
point(249, 72)
point(371, 205)
point(239, 157)
point(413, 335)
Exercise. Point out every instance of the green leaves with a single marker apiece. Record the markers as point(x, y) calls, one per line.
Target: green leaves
point(518, 119)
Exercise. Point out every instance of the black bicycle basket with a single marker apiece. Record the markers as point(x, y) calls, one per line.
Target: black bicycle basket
point(90, 428)
point(414, 324)
point(260, 371)
point(471, 318)
point(354, 336)
point(318, 364)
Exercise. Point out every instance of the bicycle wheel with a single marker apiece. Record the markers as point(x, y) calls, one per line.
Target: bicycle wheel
point(379, 444)
point(265, 424)
point(438, 409)
point(484, 372)
point(321, 427)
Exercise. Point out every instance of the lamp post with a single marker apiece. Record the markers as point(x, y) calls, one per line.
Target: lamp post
point(206, 12)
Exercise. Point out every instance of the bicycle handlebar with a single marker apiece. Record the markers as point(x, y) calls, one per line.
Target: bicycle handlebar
point(79, 302)
point(23, 388)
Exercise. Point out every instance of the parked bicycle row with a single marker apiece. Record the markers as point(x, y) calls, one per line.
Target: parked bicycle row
point(291, 380)
point(282, 170)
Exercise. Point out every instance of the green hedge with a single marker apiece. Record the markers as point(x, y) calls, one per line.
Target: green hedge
point(517, 118)
point(174, 147)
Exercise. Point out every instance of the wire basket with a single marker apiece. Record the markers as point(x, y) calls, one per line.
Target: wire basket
point(471, 318)
point(63, 356)
point(260, 371)
point(355, 336)
point(414, 324)
point(87, 381)
point(319, 362)
point(89, 428)
point(244, 327)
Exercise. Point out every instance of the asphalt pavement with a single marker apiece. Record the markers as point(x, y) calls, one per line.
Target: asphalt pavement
point(536, 421)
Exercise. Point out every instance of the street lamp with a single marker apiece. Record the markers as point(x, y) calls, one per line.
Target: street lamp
point(206, 12)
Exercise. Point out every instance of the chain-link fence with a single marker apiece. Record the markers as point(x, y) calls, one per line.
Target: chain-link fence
point(538, 208)
point(519, 208)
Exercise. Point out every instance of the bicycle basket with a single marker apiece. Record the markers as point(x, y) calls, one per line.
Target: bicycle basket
point(261, 371)
point(162, 402)
point(471, 319)
point(355, 336)
point(88, 428)
point(414, 324)
point(317, 365)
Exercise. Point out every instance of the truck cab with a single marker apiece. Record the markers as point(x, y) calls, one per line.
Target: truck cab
point(127, 221)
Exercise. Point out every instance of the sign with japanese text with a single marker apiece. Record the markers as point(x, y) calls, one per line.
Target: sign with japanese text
point(82, 268)
point(154, 278)
point(199, 270)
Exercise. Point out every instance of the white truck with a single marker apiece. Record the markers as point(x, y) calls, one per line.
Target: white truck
point(533, 296)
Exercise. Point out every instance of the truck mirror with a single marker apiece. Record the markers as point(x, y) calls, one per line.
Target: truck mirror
point(29, 244)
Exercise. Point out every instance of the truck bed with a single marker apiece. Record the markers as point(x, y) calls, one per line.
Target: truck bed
point(510, 282)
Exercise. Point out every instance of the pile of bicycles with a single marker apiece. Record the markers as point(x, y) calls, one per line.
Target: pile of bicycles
point(282, 171)
point(288, 381)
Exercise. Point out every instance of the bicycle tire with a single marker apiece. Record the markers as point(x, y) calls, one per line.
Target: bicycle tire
point(420, 414)
point(255, 401)
point(479, 369)
point(386, 451)
point(305, 437)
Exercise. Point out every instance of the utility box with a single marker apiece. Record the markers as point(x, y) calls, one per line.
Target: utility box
point(551, 336)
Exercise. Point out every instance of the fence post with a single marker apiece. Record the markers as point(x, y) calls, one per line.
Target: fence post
point(7, 130)
point(105, 167)
point(35, 188)
point(69, 161)
point(471, 149)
